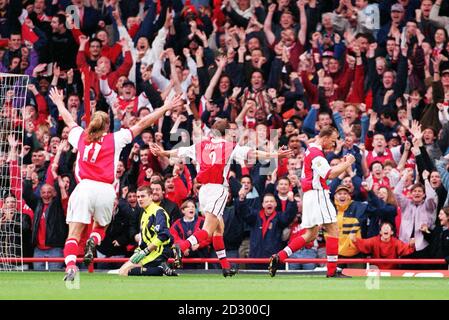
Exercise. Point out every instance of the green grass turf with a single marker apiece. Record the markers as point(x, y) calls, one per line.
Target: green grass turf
point(40, 285)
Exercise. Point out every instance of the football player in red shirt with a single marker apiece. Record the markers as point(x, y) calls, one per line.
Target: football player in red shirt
point(317, 207)
point(213, 156)
point(96, 164)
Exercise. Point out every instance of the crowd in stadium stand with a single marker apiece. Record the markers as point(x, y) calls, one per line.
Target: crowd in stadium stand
point(279, 71)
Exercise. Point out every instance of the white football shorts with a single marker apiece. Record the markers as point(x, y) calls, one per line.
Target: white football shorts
point(91, 199)
point(213, 198)
point(317, 209)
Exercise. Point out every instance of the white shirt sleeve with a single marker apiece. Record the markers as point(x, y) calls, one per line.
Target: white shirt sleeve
point(187, 152)
point(74, 136)
point(321, 166)
point(110, 95)
point(122, 138)
point(396, 153)
point(240, 153)
point(157, 77)
point(144, 102)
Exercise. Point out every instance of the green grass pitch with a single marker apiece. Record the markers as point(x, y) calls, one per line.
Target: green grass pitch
point(41, 285)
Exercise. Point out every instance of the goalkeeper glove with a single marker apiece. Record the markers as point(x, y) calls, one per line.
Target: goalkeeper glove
point(139, 255)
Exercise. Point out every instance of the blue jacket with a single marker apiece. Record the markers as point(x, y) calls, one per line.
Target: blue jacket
point(379, 212)
point(370, 214)
point(264, 246)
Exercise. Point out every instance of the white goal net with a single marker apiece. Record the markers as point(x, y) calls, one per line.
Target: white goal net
point(13, 90)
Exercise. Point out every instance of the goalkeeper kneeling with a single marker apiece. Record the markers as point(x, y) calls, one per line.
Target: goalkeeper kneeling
point(150, 257)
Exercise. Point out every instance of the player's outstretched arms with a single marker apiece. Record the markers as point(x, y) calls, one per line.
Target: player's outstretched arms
point(157, 151)
point(280, 154)
point(341, 167)
point(58, 99)
point(148, 120)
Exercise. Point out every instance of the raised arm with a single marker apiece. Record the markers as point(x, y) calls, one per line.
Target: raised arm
point(334, 172)
point(402, 200)
point(221, 64)
point(302, 34)
point(154, 116)
point(110, 95)
point(435, 16)
point(431, 196)
point(263, 155)
point(173, 74)
point(269, 35)
point(159, 152)
point(58, 99)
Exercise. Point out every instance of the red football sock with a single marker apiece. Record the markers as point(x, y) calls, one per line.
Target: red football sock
point(97, 234)
point(219, 248)
point(294, 246)
point(70, 252)
point(197, 237)
point(332, 255)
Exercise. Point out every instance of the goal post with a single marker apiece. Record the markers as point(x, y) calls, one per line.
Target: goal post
point(13, 97)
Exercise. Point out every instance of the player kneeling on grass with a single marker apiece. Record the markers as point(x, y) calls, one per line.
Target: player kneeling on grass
point(150, 257)
point(95, 170)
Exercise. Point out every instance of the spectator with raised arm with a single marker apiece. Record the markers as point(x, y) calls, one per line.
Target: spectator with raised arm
point(415, 212)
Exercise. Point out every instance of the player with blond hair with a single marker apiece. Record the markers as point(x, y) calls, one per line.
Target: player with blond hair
point(96, 163)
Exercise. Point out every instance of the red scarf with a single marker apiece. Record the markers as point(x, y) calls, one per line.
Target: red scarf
point(266, 221)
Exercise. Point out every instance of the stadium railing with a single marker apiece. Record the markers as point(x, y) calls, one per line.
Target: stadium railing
point(208, 261)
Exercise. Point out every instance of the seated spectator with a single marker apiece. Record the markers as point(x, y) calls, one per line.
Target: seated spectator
point(184, 227)
point(383, 246)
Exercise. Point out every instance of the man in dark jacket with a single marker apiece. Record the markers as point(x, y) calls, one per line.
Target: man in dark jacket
point(439, 238)
point(267, 225)
point(392, 84)
point(49, 226)
point(158, 196)
point(9, 17)
point(62, 46)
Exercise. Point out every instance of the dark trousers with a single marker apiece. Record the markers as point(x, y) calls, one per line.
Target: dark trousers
point(153, 268)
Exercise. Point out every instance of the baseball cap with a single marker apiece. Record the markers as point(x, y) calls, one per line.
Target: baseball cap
point(342, 187)
point(397, 7)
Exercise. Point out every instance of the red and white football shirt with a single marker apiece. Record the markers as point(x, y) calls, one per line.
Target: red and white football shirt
point(315, 170)
point(98, 160)
point(213, 157)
